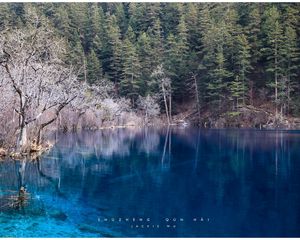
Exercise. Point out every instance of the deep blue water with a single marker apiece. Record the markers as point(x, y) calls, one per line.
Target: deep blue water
point(158, 183)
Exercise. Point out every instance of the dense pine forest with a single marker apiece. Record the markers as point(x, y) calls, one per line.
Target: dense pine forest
point(237, 62)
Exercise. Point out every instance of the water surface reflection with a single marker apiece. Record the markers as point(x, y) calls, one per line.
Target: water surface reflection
point(240, 182)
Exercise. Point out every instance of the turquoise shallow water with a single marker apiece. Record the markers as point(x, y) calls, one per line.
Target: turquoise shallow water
point(157, 183)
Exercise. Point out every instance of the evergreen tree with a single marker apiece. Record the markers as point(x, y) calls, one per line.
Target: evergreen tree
point(114, 49)
point(144, 54)
point(121, 18)
point(156, 39)
point(273, 39)
point(242, 65)
point(62, 21)
point(217, 86)
point(237, 90)
point(131, 79)
point(253, 29)
point(170, 16)
point(181, 58)
point(230, 51)
point(290, 62)
point(94, 69)
point(76, 57)
point(96, 22)
point(137, 14)
point(191, 17)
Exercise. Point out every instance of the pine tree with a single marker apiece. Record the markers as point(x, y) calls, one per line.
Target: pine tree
point(94, 69)
point(114, 49)
point(217, 86)
point(237, 90)
point(151, 12)
point(121, 18)
point(144, 54)
point(170, 16)
point(76, 57)
point(227, 50)
point(180, 60)
point(242, 64)
point(62, 21)
point(171, 57)
point(231, 30)
point(156, 39)
point(191, 17)
point(131, 79)
point(273, 39)
point(137, 14)
point(290, 62)
point(253, 30)
point(182, 40)
point(78, 14)
point(96, 22)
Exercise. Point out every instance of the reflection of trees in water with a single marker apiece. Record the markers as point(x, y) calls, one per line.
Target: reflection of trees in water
point(150, 142)
point(83, 157)
point(15, 198)
point(19, 175)
point(225, 151)
point(166, 160)
point(245, 166)
point(86, 164)
point(108, 143)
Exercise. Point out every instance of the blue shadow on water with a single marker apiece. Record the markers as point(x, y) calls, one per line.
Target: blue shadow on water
point(157, 183)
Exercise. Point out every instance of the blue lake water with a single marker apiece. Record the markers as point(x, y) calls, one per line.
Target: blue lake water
point(157, 183)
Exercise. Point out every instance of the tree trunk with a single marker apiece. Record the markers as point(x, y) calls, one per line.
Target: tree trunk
point(166, 104)
point(170, 108)
point(276, 82)
point(22, 139)
point(243, 91)
point(43, 125)
point(197, 97)
point(84, 69)
point(251, 93)
point(288, 89)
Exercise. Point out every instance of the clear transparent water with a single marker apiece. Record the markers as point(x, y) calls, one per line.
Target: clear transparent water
point(134, 183)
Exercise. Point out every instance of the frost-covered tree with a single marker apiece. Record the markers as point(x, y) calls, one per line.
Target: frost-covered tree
point(32, 65)
point(149, 106)
point(163, 83)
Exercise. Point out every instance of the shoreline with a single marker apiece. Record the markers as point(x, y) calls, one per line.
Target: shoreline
point(37, 151)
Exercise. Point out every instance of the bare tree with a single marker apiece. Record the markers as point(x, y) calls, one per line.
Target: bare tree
point(164, 83)
point(7, 115)
point(192, 86)
point(90, 97)
point(31, 59)
point(149, 106)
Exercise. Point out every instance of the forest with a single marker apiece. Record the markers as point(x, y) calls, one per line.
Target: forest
point(91, 65)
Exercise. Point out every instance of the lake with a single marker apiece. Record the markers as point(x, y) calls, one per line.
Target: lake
point(157, 183)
